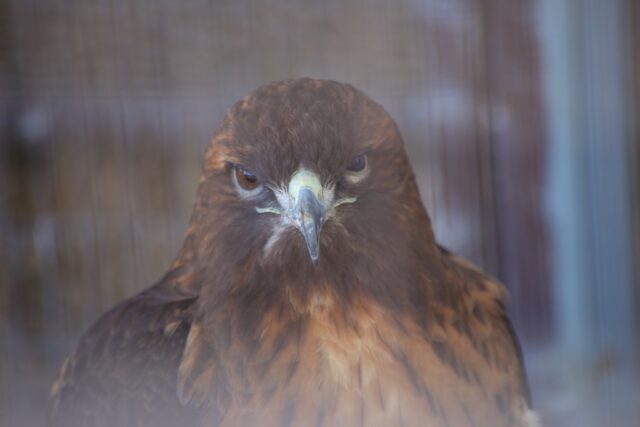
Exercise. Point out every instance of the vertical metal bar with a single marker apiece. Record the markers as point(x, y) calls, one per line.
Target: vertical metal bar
point(588, 195)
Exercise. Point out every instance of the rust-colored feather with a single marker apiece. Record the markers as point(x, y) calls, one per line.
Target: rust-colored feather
point(388, 329)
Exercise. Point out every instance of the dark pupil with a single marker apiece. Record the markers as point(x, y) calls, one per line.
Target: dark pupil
point(249, 176)
point(357, 164)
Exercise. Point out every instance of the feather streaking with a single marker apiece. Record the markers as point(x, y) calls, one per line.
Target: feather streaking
point(383, 328)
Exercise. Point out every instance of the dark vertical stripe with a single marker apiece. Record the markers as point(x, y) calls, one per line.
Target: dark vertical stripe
point(467, 414)
point(430, 400)
point(287, 413)
point(320, 416)
point(380, 395)
point(291, 369)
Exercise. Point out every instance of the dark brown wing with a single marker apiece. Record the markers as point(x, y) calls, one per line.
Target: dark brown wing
point(496, 358)
point(123, 371)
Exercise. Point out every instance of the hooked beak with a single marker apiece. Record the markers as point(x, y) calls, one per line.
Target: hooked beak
point(306, 205)
point(310, 214)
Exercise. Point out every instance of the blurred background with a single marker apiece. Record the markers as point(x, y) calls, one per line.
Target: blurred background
point(520, 118)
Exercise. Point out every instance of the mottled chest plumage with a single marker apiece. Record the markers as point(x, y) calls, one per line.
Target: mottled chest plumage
point(366, 366)
point(309, 291)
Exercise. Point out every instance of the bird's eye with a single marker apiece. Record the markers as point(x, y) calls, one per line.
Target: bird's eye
point(246, 179)
point(358, 169)
point(246, 182)
point(358, 163)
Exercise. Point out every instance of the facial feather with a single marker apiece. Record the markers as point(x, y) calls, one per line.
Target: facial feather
point(310, 289)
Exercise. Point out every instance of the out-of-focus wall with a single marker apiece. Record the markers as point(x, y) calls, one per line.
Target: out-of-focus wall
point(591, 187)
point(635, 159)
point(107, 107)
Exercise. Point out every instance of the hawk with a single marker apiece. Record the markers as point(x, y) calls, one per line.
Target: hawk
point(309, 291)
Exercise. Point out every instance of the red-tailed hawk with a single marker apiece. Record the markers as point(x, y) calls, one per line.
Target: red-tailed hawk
point(309, 291)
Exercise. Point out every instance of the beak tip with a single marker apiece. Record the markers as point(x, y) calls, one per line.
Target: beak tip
point(310, 214)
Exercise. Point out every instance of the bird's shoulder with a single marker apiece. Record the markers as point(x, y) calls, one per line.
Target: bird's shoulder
point(471, 332)
point(124, 368)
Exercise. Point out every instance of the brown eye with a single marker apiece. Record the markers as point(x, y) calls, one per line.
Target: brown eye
point(246, 179)
point(358, 163)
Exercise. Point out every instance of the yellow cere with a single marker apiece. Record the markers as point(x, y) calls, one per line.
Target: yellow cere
point(301, 179)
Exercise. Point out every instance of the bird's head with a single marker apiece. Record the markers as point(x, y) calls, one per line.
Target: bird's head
point(308, 177)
